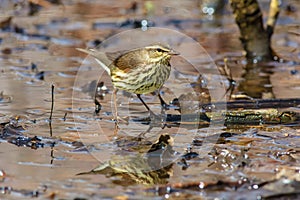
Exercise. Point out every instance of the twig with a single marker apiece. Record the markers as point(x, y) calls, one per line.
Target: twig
point(52, 102)
point(65, 117)
point(51, 111)
point(257, 104)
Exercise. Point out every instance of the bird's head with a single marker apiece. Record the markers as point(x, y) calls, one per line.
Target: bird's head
point(158, 53)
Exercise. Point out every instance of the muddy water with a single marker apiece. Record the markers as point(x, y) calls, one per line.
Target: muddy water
point(39, 51)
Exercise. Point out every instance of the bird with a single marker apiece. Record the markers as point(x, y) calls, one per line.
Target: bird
point(140, 71)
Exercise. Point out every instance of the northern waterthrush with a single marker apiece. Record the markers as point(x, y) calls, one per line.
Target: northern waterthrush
point(139, 71)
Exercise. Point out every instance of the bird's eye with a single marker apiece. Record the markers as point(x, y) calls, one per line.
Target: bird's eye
point(159, 50)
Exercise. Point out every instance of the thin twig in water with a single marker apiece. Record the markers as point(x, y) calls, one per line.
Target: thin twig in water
point(65, 117)
point(52, 102)
point(51, 111)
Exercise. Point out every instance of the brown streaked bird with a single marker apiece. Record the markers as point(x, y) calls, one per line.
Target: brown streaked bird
point(139, 71)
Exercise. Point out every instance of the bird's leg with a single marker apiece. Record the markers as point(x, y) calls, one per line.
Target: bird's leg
point(140, 98)
point(116, 109)
point(164, 107)
point(153, 116)
point(162, 102)
point(116, 115)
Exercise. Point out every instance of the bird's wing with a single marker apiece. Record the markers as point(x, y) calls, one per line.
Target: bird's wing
point(130, 61)
point(114, 55)
point(101, 58)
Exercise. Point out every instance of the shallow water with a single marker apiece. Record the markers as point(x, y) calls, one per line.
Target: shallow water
point(78, 140)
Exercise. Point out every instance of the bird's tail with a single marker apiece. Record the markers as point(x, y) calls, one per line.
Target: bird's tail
point(99, 57)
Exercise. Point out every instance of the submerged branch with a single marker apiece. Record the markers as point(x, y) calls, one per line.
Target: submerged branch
point(246, 112)
point(238, 113)
point(247, 117)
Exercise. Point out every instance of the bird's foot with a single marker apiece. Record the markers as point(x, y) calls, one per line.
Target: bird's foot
point(158, 119)
point(119, 119)
point(165, 106)
point(123, 120)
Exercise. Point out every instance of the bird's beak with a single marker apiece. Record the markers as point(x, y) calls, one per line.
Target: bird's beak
point(173, 53)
